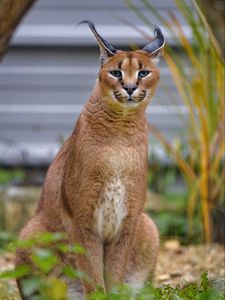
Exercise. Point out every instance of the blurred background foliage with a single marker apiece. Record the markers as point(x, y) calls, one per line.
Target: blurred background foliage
point(186, 197)
point(200, 82)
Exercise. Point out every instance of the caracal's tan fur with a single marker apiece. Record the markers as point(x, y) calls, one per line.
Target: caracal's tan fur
point(96, 186)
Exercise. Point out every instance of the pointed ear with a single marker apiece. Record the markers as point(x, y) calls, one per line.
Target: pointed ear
point(155, 48)
point(106, 49)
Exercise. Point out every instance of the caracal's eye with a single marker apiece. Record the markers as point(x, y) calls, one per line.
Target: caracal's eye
point(116, 73)
point(143, 73)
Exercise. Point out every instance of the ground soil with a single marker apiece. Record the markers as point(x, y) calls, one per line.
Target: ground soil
point(178, 264)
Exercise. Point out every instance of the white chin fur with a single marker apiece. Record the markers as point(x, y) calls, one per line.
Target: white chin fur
point(130, 104)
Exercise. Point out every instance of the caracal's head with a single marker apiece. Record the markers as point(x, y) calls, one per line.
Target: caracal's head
point(128, 79)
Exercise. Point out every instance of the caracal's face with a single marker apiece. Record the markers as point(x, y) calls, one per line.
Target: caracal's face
point(128, 79)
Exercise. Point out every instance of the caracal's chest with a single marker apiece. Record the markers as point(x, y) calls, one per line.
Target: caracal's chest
point(111, 208)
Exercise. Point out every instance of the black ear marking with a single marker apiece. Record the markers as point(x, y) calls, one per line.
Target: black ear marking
point(106, 49)
point(155, 46)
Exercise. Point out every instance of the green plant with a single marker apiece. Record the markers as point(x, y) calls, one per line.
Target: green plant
point(160, 177)
point(44, 252)
point(5, 239)
point(43, 249)
point(7, 175)
point(202, 92)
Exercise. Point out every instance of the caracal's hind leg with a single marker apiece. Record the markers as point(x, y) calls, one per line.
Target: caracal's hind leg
point(142, 262)
point(34, 226)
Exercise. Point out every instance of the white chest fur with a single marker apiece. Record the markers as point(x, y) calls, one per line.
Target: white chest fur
point(111, 209)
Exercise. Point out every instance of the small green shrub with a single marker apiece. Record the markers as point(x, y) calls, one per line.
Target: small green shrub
point(44, 256)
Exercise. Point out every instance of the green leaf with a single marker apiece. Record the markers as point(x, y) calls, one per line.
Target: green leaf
point(31, 285)
point(75, 248)
point(204, 281)
point(55, 289)
point(44, 259)
point(70, 272)
point(17, 272)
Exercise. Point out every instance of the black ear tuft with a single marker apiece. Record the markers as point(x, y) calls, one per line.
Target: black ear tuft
point(90, 24)
point(155, 46)
point(105, 47)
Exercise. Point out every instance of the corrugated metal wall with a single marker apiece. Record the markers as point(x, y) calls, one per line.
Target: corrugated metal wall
point(50, 69)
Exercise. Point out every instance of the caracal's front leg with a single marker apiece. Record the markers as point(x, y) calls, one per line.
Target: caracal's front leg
point(91, 263)
point(80, 227)
point(116, 256)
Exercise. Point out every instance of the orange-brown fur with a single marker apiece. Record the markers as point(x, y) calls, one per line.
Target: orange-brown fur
point(110, 140)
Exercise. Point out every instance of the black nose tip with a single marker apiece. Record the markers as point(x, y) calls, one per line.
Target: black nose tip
point(130, 88)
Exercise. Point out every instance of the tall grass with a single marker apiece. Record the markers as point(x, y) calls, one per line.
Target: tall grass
point(202, 92)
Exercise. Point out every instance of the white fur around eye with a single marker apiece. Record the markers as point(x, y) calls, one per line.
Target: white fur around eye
point(150, 74)
point(110, 75)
